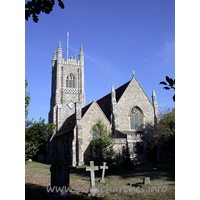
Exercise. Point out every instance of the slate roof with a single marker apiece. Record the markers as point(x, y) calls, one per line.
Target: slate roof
point(104, 103)
point(70, 122)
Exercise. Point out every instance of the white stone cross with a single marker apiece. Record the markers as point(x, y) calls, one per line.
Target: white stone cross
point(92, 168)
point(103, 172)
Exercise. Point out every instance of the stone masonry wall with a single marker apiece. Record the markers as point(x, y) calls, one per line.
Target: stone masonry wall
point(89, 119)
point(70, 94)
point(119, 145)
point(133, 96)
point(62, 95)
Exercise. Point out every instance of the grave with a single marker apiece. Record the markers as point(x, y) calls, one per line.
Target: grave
point(93, 190)
point(104, 167)
point(146, 180)
point(60, 177)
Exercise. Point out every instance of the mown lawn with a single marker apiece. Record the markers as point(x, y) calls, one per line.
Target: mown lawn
point(121, 185)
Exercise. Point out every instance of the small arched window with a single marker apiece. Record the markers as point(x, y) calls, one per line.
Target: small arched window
point(136, 119)
point(70, 81)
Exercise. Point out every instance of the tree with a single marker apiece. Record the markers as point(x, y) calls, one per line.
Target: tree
point(27, 99)
point(170, 85)
point(161, 135)
point(36, 134)
point(34, 8)
point(102, 143)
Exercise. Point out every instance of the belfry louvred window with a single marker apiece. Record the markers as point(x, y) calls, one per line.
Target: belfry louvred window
point(70, 81)
point(136, 119)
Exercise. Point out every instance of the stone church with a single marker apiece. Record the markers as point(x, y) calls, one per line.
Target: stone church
point(124, 110)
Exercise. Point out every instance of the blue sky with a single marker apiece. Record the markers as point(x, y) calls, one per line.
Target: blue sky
point(117, 37)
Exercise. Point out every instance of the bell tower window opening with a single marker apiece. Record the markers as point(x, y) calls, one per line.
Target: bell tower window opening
point(70, 81)
point(136, 119)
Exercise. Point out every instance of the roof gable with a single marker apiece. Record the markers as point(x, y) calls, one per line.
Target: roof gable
point(94, 103)
point(134, 87)
point(105, 102)
point(70, 122)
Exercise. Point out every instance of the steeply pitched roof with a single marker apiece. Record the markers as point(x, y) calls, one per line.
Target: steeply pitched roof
point(105, 102)
point(70, 122)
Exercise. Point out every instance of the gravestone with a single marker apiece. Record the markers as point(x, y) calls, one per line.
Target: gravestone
point(93, 190)
point(104, 167)
point(146, 180)
point(60, 177)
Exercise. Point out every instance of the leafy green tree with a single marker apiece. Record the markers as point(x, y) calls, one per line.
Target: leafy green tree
point(162, 134)
point(102, 143)
point(36, 134)
point(34, 8)
point(27, 99)
point(170, 85)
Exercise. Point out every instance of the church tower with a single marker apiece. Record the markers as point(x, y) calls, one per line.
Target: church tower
point(67, 86)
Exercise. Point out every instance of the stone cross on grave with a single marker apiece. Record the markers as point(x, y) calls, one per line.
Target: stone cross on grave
point(104, 167)
point(93, 190)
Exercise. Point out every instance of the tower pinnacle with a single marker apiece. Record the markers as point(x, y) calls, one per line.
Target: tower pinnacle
point(155, 106)
point(81, 56)
point(113, 95)
point(81, 50)
point(54, 55)
point(59, 46)
point(153, 95)
point(54, 59)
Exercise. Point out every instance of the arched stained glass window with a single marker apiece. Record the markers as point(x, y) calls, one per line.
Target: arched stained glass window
point(70, 81)
point(136, 119)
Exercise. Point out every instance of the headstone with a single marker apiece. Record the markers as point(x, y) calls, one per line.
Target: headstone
point(60, 177)
point(146, 180)
point(93, 190)
point(30, 160)
point(104, 167)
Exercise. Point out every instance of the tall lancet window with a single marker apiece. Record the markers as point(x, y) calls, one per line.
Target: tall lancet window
point(136, 119)
point(70, 81)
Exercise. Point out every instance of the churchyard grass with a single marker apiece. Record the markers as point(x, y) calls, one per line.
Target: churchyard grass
point(122, 185)
point(37, 173)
